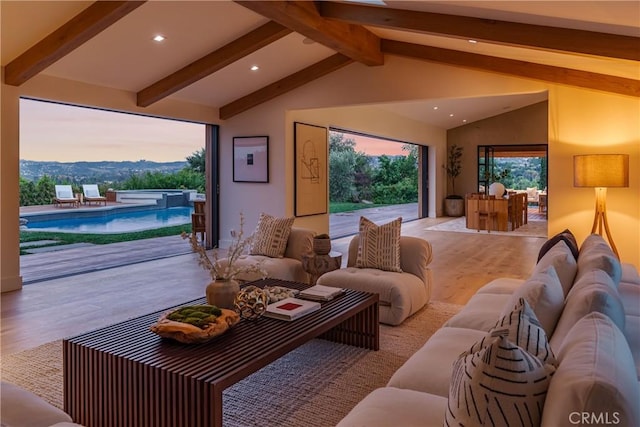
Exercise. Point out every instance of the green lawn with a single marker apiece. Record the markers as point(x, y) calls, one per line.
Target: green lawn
point(337, 207)
point(100, 239)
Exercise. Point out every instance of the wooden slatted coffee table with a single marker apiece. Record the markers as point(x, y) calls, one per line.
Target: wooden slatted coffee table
point(125, 375)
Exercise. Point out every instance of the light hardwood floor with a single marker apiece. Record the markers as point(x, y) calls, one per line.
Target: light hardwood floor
point(54, 309)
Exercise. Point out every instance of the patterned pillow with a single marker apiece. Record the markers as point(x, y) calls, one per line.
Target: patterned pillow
point(501, 384)
point(271, 235)
point(524, 330)
point(379, 245)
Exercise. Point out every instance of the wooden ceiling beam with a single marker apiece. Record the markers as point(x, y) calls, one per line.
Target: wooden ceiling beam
point(81, 28)
point(214, 61)
point(489, 30)
point(353, 41)
point(512, 67)
point(285, 85)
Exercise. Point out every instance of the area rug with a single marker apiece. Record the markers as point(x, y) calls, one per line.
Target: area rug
point(458, 225)
point(314, 385)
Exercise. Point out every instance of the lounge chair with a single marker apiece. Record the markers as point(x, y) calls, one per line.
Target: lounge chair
point(64, 196)
point(92, 194)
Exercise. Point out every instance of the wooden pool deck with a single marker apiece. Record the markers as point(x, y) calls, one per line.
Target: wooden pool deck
point(68, 262)
point(65, 262)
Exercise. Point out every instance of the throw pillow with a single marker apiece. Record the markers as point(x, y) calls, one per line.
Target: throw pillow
point(525, 331)
point(566, 236)
point(596, 376)
point(544, 294)
point(560, 257)
point(502, 384)
point(271, 236)
point(64, 194)
point(594, 292)
point(379, 245)
point(92, 192)
point(595, 253)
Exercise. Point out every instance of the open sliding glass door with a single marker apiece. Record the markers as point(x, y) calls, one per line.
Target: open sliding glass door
point(486, 165)
point(212, 190)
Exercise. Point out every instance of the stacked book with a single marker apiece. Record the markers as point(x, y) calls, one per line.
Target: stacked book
point(291, 308)
point(321, 293)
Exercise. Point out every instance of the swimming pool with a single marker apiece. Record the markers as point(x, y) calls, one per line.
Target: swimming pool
point(115, 221)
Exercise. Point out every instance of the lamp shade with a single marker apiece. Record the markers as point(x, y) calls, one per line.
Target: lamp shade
point(601, 170)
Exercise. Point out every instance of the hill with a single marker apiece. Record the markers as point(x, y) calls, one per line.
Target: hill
point(94, 172)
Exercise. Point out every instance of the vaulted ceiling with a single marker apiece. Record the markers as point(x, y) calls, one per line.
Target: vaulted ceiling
point(210, 46)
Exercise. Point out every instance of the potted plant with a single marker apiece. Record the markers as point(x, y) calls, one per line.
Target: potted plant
point(454, 203)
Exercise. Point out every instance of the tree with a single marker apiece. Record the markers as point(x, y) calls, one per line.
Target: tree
point(196, 161)
point(337, 143)
point(349, 170)
point(454, 166)
point(396, 179)
point(341, 184)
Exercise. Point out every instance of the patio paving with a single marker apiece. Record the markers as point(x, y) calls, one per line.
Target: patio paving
point(63, 261)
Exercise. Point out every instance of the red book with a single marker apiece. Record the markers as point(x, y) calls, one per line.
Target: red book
point(291, 308)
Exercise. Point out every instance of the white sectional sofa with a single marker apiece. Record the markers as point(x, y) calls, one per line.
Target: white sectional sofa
point(589, 308)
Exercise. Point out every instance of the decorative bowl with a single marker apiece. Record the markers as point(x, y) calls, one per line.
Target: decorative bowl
point(195, 324)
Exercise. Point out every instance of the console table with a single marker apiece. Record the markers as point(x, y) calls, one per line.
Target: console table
point(125, 375)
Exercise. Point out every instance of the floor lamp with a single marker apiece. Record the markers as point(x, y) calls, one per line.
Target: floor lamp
point(601, 171)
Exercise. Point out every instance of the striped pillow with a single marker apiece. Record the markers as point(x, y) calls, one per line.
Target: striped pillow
point(502, 384)
point(271, 236)
point(379, 245)
point(522, 328)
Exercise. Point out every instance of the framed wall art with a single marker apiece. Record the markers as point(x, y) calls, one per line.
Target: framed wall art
point(311, 153)
point(251, 159)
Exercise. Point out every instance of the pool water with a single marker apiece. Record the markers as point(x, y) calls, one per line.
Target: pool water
point(117, 221)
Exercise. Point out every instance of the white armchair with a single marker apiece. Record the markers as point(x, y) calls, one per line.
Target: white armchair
point(401, 294)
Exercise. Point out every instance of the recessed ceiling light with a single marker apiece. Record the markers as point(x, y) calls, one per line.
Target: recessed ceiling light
point(159, 38)
point(254, 68)
point(450, 115)
point(435, 108)
point(473, 41)
point(464, 121)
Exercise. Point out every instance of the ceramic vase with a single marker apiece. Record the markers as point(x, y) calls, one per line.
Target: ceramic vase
point(222, 293)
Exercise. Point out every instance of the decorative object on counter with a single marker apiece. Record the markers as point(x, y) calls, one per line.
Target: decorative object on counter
point(278, 293)
point(223, 289)
point(322, 244)
point(195, 324)
point(222, 293)
point(251, 302)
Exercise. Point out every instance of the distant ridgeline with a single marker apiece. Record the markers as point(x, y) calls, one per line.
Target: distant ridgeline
point(94, 171)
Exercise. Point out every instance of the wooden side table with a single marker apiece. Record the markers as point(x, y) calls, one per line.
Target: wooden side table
point(316, 265)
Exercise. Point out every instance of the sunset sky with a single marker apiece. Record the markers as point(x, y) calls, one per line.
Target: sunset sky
point(57, 132)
